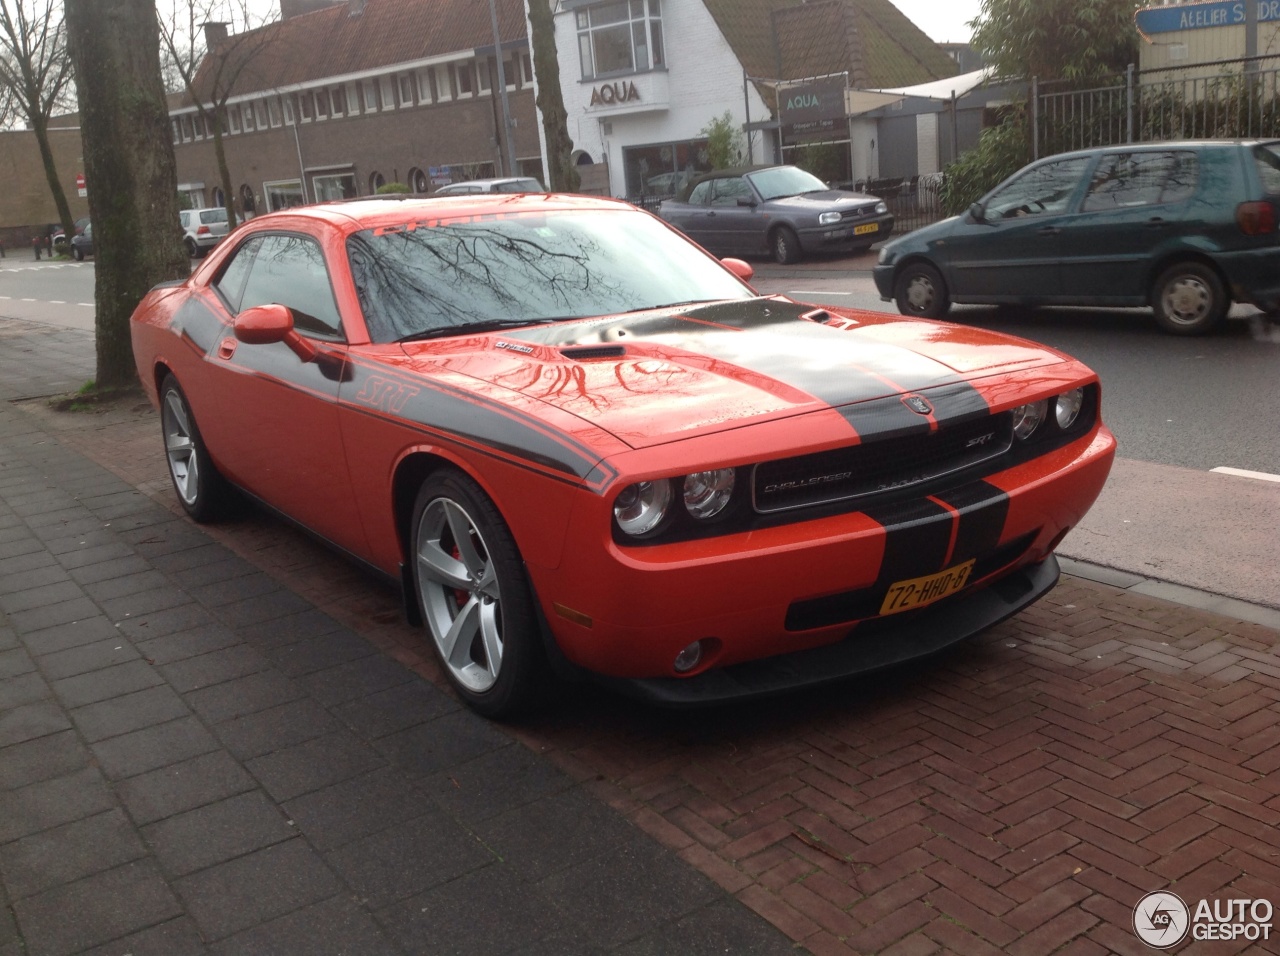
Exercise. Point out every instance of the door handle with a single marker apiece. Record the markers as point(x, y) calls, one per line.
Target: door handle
point(1048, 230)
point(226, 348)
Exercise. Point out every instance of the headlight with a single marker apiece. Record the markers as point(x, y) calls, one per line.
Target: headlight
point(706, 493)
point(827, 218)
point(640, 508)
point(882, 208)
point(1066, 407)
point(1027, 418)
point(886, 255)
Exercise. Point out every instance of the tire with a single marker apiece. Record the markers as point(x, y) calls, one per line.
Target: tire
point(201, 489)
point(78, 253)
point(1189, 299)
point(920, 291)
point(785, 245)
point(470, 584)
point(193, 251)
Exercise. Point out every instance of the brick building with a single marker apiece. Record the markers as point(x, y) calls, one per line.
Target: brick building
point(337, 98)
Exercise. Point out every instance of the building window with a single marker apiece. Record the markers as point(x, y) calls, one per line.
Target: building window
point(283, 194)
point(322, 104)
point(418, 180)
point(464, 78)
point(620, 37)
point(406, 89)
point(424, 86)
point(177, 133)
point(376, 182)
point(353, 99)
point(485, 69)
point(197, 125)
point(336, 186)
point(246, 111)
point(287, 102)
point(273, 111)
point(444, 89)
point(337, 97)
point(526, 70)
point(370, 96)
point(233, 117)
point(388, 90)
point(511, 70)
point(260, 113)
point(304, 107)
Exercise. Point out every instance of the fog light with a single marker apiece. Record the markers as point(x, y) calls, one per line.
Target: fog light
point(689, 658)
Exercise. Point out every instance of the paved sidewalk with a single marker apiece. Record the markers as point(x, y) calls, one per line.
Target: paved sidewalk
point(272, 767)
point(195, 759)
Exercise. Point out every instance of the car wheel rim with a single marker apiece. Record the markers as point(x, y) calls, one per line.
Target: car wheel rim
point(1187, 300)
point(181, 448)
point(920, 293)
point(460, 596)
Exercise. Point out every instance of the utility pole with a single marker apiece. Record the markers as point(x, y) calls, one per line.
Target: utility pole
point(502, 92)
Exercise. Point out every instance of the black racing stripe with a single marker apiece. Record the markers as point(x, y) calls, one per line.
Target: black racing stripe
point(468, 416)
point(917, 536)
point(983, 510)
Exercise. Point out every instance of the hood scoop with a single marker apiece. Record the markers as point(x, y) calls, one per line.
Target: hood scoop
point(590, 353)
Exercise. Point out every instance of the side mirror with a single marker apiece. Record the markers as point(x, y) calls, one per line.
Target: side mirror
point(268, 324)
point(742, 270)
point(744, 201)
point(977, 213)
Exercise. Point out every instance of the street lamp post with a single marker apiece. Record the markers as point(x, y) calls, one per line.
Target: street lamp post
point(502, 92)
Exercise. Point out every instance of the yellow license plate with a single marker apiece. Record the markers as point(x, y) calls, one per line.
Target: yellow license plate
point(866, 228)
point(917, 592)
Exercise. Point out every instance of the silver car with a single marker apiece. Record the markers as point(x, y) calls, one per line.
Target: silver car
point(509, 184)
point(202, 229)
point(781, 211)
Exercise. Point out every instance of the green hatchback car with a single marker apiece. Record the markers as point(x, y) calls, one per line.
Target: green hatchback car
point(1182, 227)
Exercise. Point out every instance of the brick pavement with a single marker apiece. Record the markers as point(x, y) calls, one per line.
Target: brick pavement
point(1018, 795)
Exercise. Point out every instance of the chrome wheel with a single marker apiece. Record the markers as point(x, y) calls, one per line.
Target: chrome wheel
point(1187, 300)
point(921, 293)
point(461, 598)
point(180, 446)
point(920, 290)
point(1190, 299)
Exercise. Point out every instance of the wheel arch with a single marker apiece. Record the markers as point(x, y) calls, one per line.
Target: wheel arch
point(1175, 257)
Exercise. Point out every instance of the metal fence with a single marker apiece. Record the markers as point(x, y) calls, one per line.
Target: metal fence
point(1233, 98)
point(914, 201)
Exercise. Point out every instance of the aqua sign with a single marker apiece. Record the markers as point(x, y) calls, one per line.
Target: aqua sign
point(1201, 16)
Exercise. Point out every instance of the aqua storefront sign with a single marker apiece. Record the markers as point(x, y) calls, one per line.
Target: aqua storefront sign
point(1201, 16)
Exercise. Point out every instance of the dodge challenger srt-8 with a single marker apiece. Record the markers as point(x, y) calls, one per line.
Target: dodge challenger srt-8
point(582, 444)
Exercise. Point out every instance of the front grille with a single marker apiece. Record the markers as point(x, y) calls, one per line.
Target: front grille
point(878, 466)
point(861, 212)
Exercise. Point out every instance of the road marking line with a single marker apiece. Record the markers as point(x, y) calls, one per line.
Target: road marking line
point(57, 302)
point(26, 300)
point(87, 305)
point(1241, 473)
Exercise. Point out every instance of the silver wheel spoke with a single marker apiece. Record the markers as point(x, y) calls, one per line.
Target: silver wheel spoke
point(489, 622)
point(461, 527)
point(442, 568)
point(455, 645)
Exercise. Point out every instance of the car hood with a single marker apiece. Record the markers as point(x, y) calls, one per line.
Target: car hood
point(819, 201)
point(665, 375)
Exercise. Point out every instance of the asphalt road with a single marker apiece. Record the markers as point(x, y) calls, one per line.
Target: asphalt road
point(1181, 408)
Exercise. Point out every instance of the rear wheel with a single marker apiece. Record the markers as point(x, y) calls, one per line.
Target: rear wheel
point(785, 245)
point(203, 491)
point(920, 291)
point(193, 251)
point(1189, 299)
point(474, 596)
point(78, 253)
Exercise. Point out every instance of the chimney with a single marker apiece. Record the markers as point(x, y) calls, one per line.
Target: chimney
point(214, 33)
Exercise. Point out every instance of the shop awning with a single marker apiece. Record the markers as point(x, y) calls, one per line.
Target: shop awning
point(864, 101)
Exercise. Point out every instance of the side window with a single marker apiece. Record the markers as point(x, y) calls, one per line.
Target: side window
point(729, 191)
point(1124, 180)
point(1046, 188)
point(701, 194)
point(290, 270)
point(230, 284)
point(1267, 160)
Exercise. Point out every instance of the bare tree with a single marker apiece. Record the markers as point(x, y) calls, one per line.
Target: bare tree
point(208, 45)
point(36, 73)
point(563, 174)
point(129, 164)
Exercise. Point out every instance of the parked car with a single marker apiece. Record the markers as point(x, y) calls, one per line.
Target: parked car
point(582, 445)
point(202, 229)
point(58, 241)
point(82, 242)
point(778, 210)
point(508, 184)
point(1182, 227)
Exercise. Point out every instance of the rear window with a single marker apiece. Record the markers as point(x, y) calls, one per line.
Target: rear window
point(213, 215)
point(1267, 159)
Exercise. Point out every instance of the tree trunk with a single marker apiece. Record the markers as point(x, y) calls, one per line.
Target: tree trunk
point(129, 167)
point(224, 171)
point(41, 128)
point(563, 174)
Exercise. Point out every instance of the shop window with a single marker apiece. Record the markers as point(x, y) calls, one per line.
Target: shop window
point(624, 36)
point(283, 194)
point(663, 169)
point(335, 186)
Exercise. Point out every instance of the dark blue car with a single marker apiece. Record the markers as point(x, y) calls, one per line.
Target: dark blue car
point(1182, 227)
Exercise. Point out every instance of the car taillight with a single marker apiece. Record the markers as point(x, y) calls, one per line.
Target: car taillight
point(1256, 218)
point(202, 231)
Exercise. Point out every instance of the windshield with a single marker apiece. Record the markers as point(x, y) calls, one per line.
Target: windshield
point(515, 269)
point(785, 181)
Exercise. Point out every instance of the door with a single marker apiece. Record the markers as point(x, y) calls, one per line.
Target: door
point(692, 217)
point(734, 225)
point(278, 417)
point(1012, 251)
point(1134, 202)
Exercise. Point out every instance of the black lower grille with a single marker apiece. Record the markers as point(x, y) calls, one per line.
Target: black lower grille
point(878, 466)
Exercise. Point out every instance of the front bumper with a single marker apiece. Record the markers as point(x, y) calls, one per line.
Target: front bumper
point(872, 646)
point(841, 236)
point(883, 276)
